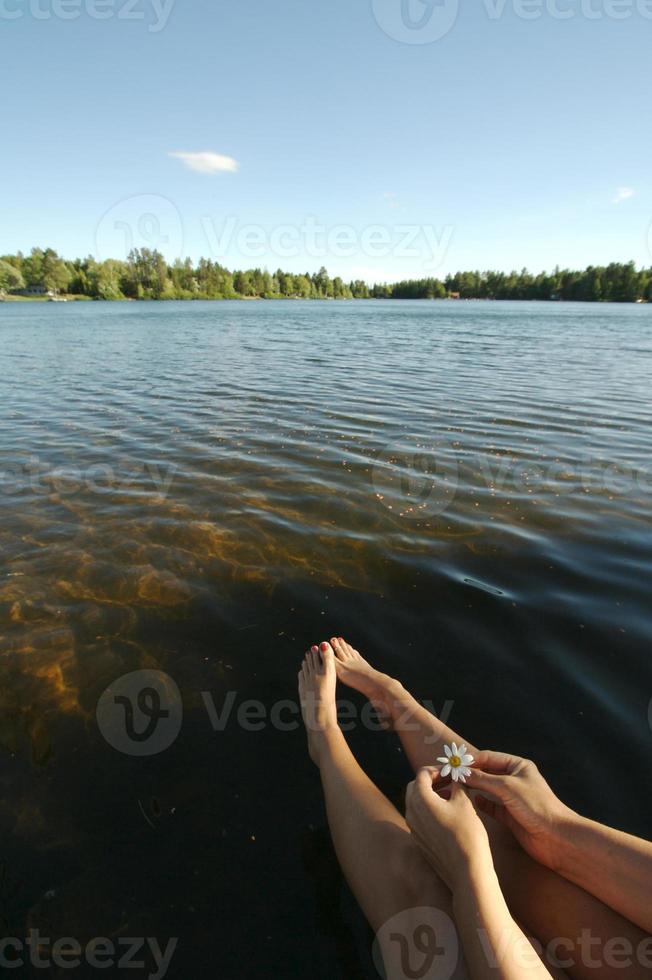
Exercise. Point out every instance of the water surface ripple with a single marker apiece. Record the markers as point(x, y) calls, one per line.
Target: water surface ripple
point(463, 489)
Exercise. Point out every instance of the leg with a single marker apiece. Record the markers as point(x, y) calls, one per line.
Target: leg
point(379, 859)
point(575, 927)
point(421, 733)
point(548, 906)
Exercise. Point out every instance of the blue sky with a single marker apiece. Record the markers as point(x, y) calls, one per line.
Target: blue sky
point(507, 141)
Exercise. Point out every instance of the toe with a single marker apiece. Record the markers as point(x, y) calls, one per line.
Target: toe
point(327, 657)
point(338, 647)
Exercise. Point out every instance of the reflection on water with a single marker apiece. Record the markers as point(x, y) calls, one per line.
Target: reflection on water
point(204, 489)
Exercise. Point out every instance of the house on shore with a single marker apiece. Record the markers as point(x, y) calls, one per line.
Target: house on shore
point(34, 291)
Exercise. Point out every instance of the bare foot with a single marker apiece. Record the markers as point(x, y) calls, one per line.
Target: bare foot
point(354, 671)
point(317, 682)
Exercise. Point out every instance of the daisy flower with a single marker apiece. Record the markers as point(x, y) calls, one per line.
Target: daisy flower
point(456, 762)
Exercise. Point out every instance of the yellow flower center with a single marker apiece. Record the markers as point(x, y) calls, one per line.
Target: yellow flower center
point(455, 761)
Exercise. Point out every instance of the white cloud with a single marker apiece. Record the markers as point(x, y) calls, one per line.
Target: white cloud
point(623, 194)
point(206, 162)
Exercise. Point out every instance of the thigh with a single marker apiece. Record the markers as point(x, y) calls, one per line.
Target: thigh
point(578, 933)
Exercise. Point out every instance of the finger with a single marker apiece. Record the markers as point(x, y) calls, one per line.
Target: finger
point(488, 782)
point(426, 777)
point(409, 790)
point(496, 762)
point(458, 795)
point(493, 810)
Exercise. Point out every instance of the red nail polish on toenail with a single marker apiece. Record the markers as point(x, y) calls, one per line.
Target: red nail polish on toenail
point(324, 646)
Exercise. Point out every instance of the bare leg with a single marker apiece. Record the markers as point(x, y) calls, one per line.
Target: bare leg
point(547, 905)
point(384, 868)
point(421, 733)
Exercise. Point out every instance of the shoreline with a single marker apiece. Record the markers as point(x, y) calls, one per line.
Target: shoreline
point(79, 298)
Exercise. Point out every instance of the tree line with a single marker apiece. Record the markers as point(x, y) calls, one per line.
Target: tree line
point(147, 275)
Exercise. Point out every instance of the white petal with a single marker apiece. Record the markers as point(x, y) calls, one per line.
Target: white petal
point(455, 774)
point(455, 749)
point(462, 750)
point(467, 759)
point(465, 771)
point(445, 771)
point(461, 778)
point(448, 751)
point(442, 758)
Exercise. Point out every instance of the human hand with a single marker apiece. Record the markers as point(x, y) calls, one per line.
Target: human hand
point(448, 831)
point(522, 800)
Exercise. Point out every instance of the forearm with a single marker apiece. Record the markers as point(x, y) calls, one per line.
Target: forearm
point(494, 946)
point(613, 866)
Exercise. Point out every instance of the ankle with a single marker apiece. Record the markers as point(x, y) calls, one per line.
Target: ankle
point(396, 695)
point(325, 744)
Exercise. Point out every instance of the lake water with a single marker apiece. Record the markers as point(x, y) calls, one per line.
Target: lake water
point(462, 489)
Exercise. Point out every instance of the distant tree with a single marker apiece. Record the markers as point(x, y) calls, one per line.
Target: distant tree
point(147, 275)
point(106, 280)
point(33, 268)
point(10, 277)
point(302, 287)
point(44, 268)
point(359, 289)
point(322, 283)
point(243, 283)
point(55, 273)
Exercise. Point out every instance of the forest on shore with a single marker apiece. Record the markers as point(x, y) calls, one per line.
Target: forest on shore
point(147, 275)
